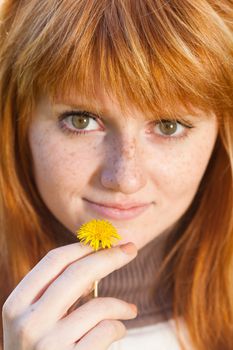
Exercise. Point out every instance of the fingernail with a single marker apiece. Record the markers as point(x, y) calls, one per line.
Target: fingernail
point(134, 308)
point(128, 248)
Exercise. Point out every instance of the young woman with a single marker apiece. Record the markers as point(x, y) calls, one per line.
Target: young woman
point(119, 110)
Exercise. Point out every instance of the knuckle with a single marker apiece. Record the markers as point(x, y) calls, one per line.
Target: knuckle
point(8, 312)
point(116, 257)
point(121, 330)
point(104, 307)
point(109, 305)
point(100, 304)
point(76, 271)
point(113, 255)
point(54, 255)
point(113, 328)
point(24, 332)
point(27, 326)
point(46, 343)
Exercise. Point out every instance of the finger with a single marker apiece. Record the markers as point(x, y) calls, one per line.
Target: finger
point(37, 280)
point(98, 338)
point(73, 327)
point(102, 336)
point(71, 284)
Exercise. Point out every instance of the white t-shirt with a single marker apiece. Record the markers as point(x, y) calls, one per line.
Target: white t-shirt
point(161, 336)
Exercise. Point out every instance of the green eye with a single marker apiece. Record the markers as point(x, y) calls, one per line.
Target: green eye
point(80, 122)
point(168, 127)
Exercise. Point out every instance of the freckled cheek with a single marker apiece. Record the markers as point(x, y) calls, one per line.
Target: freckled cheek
point(179, 175)
point(61, 166)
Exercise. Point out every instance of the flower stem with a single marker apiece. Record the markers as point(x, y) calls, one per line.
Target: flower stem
point(96, 289)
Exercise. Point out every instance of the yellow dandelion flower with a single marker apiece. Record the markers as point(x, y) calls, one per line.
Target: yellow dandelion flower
point(98, 233)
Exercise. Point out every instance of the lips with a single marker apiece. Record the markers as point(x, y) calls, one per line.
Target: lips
point(118, 211)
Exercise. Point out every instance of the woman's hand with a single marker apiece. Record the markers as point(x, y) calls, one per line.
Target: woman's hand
point(35, 315)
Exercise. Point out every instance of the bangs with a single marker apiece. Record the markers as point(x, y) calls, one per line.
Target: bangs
point(155, 55)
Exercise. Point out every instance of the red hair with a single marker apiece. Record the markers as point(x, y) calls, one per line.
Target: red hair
point(174, 53)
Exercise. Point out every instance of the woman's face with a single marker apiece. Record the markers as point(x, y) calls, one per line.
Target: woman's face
point(117, 161)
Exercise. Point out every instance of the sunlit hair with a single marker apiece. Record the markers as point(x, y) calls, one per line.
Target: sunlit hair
point(158, 55)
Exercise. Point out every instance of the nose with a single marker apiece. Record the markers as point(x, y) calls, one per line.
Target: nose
point(123, 168)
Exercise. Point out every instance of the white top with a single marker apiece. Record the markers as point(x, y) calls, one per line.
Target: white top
point(161, 336)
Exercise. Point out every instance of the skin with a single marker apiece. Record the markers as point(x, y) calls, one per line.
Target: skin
point(41, 319)
point(118, 162)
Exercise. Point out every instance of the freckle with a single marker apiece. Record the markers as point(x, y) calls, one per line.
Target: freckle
point(32, 309)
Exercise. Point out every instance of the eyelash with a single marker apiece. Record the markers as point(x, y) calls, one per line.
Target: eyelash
point(68, 131)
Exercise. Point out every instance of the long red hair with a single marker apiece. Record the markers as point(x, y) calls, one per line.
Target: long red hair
point(156, 54)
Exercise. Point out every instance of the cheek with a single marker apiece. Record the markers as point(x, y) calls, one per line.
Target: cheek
point(58, 165)
point(178, 170)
